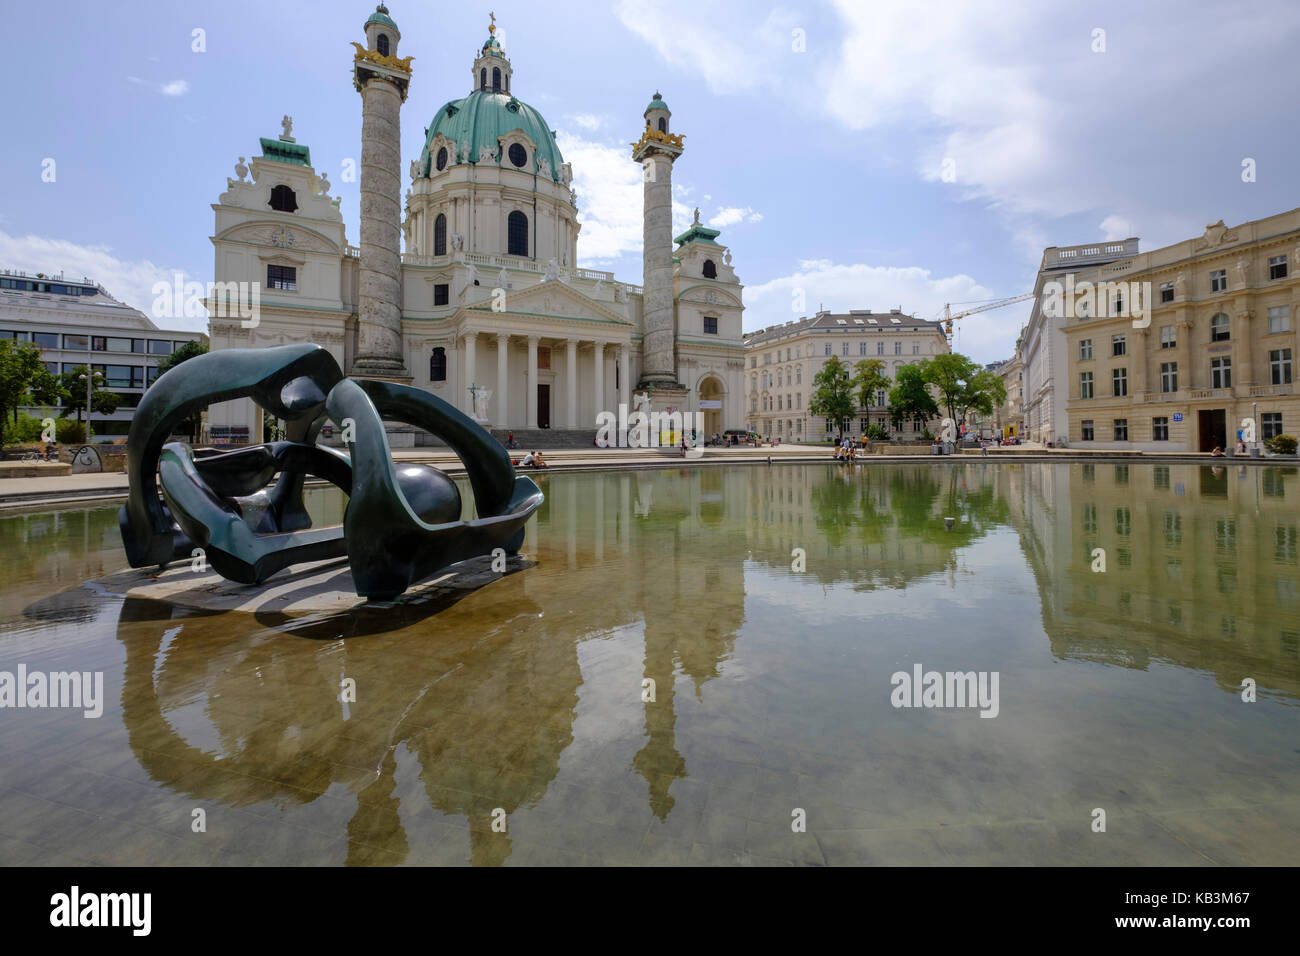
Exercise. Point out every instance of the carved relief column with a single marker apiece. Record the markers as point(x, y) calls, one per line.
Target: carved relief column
point(532, 381)
point(571, 382)
point(503, 379)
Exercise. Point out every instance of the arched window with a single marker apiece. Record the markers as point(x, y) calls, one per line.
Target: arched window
point(438, 365)
point(440, 235)
point(1220, 328)
point(663, 125)
point(710, 270)
point(517, 234)
point(283, 199)
point(496, 79)
point(382, 44)
point(441, 161)
point(482, 78)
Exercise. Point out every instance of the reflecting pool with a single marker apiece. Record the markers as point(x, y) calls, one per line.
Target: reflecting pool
point(698, 666)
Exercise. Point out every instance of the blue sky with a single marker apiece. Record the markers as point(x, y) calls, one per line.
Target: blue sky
point(823, 166)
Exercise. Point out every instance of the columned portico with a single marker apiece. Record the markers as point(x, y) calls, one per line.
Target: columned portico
point(503, 379)
point(571, 382)
point(624, 374)
point(532, 381)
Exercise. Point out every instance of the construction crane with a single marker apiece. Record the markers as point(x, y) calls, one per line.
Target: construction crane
point(950, 317)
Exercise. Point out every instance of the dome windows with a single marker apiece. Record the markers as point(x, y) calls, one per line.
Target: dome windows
point(440, 235)
point(482, 78)
point(496, 79)
point(517, 234)
point(381, 44)
point(710, 269)
point(283, 199)
point(441, 161)
point(518, 155)
point(663, 125)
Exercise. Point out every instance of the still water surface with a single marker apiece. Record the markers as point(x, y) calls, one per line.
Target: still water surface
point(525, 701)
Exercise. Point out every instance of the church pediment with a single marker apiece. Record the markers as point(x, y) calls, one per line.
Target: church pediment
point(278, 235)
point(552, 299)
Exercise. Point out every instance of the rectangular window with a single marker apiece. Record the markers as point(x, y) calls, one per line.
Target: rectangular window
point(1118, 345)
point(1220, 373)
point(544, 361)
point(880, 348)
point(844, 348)
point(828, 348)
point(79, 342)
point(898, 348)
point(862, 348)
point(139, 346)
point(1270, 424)
point(1277, 267)
point(1086, 430)
point(1085, 385)
point(282, 277)
point(441, 293)
point(1160, 429)
point(1121, 429)
point(710, 325)
point(1279, 366)
point(1219, 280)
point(1279, 318)
point(1085, 350)
point(1168, 376)
point(46, 340)
point(1166, 292)
point(160, 347)
point(1119, 382)
point(1168, 337)
point(916, 348)
point(1220, 328)
point(117, 345)
point(98, 343)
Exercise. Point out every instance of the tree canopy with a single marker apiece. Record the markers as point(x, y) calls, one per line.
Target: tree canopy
point(910, 397)
point(963, 385)
point(832, 395)
point(187, 351)
point(869, 378)
point(24, 380)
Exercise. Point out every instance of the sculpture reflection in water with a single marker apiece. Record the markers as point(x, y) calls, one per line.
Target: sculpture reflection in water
point(401, 524)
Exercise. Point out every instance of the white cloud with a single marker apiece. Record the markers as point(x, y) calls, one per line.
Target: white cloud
point(730, 215)
point(588, 121)
point(608, 185)
point(1116, 227)
point(175, 88)
point(134, 79)
point(822, 283)
point(129, 281)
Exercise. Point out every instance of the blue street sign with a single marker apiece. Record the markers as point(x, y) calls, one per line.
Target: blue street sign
point(1178, 416)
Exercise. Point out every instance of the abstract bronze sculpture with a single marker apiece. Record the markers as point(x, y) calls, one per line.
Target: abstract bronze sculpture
point(402, 523)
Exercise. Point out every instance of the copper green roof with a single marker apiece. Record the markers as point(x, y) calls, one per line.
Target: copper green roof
point(282, 152)
point(492, 47)
point(698, 233)
point(479, 119)
point(658, 104)
point(381, 16)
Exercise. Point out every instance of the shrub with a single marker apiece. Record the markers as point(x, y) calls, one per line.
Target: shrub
point(877, 432)
point(1281, 444)
point(69, 431)
point(926, 436)
point(25, 431)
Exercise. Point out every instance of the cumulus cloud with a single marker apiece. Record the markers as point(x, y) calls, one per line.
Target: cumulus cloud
point(822, 283)
point(127, 280)
point(175, 88)
point(588, 121)
point(730, 215)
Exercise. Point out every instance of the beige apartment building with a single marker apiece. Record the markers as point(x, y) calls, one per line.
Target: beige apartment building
point(782, 360)
point(1215, 346)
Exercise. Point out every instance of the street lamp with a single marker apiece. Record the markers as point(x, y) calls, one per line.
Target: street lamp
point(90, 382)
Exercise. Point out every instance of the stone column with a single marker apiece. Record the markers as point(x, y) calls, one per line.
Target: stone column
point(379, 313)
point(1140, 357)
point(571, 382)
point(658, 361)
point(532, 381)
point(471, 364)
point(503, 379)
point(1244, 364)
point(624, 375)
point(598, 377)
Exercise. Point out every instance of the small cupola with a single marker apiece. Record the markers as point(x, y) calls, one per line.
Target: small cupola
point(657, 114)
point(382, 34)
point(491, 70)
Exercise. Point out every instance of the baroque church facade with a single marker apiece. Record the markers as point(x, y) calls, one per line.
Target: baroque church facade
point(486, 306)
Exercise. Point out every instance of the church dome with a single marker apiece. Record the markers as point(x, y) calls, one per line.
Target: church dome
point(479, 119)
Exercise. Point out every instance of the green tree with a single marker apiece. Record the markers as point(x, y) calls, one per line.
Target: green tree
point(910, 398)
point(963, 385)
point(24, 380)
point(74, 394)
point(187, 351)
point(832, 395)
point(869, 378)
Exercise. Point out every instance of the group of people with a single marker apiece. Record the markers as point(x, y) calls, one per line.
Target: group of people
point(533, 460)
point(847, 450)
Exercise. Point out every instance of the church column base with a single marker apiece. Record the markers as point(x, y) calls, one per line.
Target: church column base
point(387, 370)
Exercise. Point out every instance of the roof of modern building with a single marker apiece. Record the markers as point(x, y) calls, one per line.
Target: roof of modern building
point(855, 320)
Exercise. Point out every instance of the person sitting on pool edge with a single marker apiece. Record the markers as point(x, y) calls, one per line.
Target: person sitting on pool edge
point(1217, 453)
point(533, 460)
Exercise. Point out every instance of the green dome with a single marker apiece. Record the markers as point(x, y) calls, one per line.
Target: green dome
point(657, 104)
point(483, 116)
point(492, 47)
point(381, 16)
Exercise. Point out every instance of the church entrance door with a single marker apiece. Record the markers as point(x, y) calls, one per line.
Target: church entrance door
point(543, 406)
